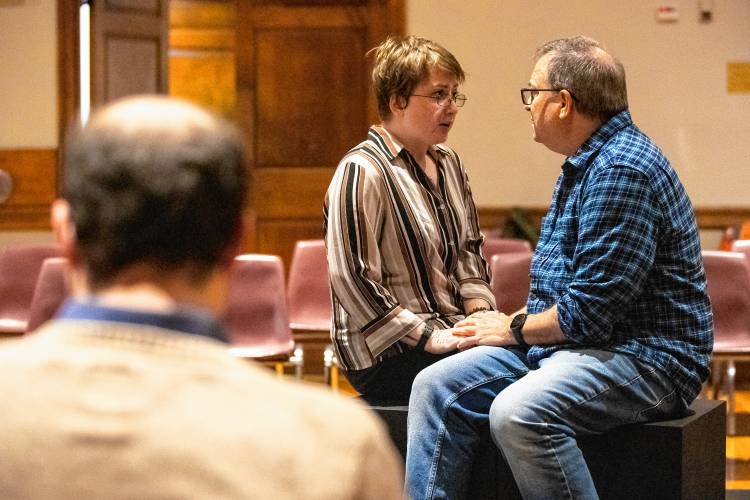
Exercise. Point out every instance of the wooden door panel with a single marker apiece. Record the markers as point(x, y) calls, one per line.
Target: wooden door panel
point(127, 56)
point(201, 53)
point(283, 193)
point(312, 108)
point(129, 48)
point(303, 100)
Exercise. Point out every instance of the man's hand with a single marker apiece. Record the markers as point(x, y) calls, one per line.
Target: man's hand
point(484, 328)
point(442, 341)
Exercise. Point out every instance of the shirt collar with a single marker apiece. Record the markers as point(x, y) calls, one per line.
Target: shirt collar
point(391, 148)
point(595, 142)
point(186, 320)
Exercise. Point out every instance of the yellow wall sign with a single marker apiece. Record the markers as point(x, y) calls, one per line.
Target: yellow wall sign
point(738, 77)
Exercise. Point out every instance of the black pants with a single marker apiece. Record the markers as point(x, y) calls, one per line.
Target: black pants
point(388, 383)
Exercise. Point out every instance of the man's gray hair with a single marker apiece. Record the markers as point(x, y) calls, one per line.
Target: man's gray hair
point(594, 77)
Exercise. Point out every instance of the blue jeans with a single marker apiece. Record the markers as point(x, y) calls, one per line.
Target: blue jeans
point(532, 413)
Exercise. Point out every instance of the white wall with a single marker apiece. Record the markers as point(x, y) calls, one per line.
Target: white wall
point(676, 84)
point(28, 85)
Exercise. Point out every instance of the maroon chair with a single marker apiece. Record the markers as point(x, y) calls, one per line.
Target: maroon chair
point(309, 300)
point(52, 288)
point(308, 288)
point(19, 270)
point(256, 314)
point(742, 246)
point(728, 279)
point(494, 246)
point(510, 280)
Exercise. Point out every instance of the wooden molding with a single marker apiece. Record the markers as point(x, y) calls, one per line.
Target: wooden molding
point(719, 218)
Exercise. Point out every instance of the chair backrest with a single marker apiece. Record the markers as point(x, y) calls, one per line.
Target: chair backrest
point(510, 280)
point(742, 246)
point(256, 315)
point(494, 246)
point(728, 280)
point(52, 288)
point(309, 290)
point(19, 270)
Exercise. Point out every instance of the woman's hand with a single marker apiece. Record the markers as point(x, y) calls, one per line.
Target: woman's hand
point(442, 341)
point(484, 328)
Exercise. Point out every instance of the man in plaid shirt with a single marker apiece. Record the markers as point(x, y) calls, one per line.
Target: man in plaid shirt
point(618, 326)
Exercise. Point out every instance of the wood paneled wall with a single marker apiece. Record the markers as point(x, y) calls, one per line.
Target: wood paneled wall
point(709, 218)
point(202, 44)
point(303, 100)
point(34, 186)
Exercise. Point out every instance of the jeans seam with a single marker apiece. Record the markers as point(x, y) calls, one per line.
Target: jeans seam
point(607, 389)
point(441, 434)
point(658, 403)
point(557, 459)
point(640, 375)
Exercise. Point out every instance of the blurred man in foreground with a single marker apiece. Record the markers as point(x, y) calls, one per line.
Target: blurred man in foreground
point(130, 391)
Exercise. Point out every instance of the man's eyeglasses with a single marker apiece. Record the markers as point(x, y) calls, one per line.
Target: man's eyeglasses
point(443, 99)
point(528, 95)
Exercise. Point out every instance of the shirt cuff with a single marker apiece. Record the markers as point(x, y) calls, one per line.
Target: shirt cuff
point(389, 329)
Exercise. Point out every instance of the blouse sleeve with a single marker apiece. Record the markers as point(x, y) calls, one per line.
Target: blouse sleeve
point(355, 206)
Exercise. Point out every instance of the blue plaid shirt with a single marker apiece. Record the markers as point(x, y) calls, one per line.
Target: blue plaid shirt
point(619, 254)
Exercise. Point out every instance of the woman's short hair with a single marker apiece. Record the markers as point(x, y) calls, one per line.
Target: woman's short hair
point(584, 67)
point(401, 63)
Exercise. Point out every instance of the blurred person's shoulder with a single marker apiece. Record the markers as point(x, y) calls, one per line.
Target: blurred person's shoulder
point(336, 442)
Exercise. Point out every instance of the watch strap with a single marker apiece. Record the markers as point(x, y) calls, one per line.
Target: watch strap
point(429, 326)
point(516, 328)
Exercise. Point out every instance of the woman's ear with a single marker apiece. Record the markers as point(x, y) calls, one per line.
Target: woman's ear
point(397, 104)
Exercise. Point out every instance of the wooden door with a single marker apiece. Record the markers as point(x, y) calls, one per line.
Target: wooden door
point(303, 100)
point(128, 49)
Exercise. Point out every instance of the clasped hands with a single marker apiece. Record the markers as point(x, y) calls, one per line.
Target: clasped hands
point(481, 328)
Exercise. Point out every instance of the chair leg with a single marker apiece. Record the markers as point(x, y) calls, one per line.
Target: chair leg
point(297, 359)
point(716, 377)
point(731, 424)
point(335, 378)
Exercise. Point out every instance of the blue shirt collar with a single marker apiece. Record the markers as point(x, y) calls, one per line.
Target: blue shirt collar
point(185, 320)
point(594, 143)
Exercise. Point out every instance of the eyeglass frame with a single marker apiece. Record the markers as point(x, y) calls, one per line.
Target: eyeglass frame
point(531, 100)
point(454, 98)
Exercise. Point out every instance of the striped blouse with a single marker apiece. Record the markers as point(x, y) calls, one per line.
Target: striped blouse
point(400, 250)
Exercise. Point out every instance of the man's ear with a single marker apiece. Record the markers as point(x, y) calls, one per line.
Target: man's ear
point(63, 228)
point(566, 104)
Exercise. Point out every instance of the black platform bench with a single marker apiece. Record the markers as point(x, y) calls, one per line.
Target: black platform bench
point(683, 458)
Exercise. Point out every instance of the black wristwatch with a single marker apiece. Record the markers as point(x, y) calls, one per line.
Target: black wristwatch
point(426, 334)
point(516, 328)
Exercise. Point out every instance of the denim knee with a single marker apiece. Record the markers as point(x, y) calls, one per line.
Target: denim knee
point(510, 419)
point(427, 384)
